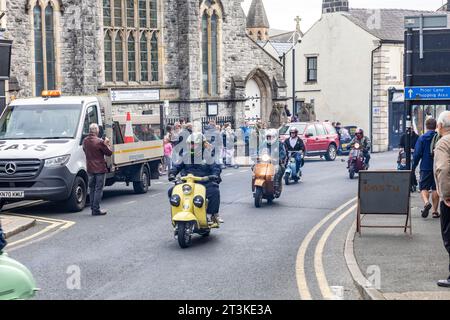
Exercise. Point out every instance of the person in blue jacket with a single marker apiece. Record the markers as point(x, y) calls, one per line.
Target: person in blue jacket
point(427, 184)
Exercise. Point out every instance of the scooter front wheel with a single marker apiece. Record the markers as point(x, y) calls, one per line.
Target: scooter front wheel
point(286, 179)
point(184, 234)
point(258, 197)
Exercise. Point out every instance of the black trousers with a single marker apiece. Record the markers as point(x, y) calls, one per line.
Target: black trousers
point(212, 195)
point(445, 227)
point(96, 184)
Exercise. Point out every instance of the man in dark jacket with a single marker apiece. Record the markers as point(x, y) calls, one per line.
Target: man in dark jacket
point(96, 149)
point(2, 238)
point(427, 184)
point(195, 161)
point(295, 144)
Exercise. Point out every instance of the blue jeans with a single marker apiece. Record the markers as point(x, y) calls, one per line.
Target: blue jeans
point(96, 184)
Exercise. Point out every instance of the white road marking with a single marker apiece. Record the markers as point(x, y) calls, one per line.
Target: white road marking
point(300, 262)
point(318, 256)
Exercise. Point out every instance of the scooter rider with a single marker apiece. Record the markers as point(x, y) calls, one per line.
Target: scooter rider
point(195, 161)
point(364, 142)
point(275, 148)
point(295, 144)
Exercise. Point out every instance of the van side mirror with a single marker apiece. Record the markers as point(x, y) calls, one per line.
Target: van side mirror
point(308, 135)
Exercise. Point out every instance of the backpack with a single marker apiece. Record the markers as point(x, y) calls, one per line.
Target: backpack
point(434, 142)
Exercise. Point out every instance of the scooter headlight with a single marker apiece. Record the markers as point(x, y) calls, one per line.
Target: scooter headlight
point(199, 201)
point(357, 145)
point(265, 158)
point(175, 200)
point(187, 189)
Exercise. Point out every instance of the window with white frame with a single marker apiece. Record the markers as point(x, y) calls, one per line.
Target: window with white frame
point(131, 41)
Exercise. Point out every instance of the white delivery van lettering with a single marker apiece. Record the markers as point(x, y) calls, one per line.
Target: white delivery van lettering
point(24, 147)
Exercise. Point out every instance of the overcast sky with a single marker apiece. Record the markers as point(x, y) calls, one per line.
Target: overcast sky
point(281, 13)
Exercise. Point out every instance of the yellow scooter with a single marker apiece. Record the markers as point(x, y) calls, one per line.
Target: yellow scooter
point(189, 205)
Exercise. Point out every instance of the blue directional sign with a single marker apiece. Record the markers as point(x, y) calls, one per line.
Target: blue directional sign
point(427, 93)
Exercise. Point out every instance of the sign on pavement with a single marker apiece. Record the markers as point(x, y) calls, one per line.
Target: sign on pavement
point(427, 93)
point(384, 192)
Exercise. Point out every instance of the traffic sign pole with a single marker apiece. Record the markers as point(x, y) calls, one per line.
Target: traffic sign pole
point(408, 103)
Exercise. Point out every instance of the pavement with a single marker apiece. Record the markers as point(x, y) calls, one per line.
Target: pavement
point(399, 266)
point(13, 225)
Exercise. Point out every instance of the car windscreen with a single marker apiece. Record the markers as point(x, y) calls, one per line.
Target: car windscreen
point(300, 126)
point(40, 122)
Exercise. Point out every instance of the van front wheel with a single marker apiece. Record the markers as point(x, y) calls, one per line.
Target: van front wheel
point(77, 199)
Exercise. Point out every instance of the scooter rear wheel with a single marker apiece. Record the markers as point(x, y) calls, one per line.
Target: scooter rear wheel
point(351, 173)
point(184, 235)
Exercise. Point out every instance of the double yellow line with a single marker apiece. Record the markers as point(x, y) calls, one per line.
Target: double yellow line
point(54, 226)
point(302, 283)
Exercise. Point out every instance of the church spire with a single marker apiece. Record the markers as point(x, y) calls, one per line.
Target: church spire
point(257, 22)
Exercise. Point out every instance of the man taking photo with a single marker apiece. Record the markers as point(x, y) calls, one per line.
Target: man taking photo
point(96, 149)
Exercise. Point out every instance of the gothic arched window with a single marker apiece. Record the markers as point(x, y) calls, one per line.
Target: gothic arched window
point(135, 53)
point(211, 25)
point(43, 15)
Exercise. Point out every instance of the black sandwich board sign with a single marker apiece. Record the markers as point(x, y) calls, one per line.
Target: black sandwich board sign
point(384, 192)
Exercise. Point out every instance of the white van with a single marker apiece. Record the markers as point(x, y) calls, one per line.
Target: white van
point(41, 153)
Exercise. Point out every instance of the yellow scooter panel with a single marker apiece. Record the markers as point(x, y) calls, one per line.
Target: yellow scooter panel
point(187, 211)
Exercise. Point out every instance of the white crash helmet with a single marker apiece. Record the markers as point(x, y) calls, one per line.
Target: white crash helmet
point(273, 134)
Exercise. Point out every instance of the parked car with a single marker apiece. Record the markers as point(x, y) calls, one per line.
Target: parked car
point(321, 139)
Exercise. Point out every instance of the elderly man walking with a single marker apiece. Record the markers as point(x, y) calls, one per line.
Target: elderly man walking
point(96, 149)
point(442, 174)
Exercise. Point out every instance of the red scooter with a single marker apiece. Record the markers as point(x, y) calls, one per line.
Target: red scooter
point(356, 161)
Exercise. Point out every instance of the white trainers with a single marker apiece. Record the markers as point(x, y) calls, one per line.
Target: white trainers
point(217, 218)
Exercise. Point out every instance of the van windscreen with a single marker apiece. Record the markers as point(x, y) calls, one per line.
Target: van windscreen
point(40, 122)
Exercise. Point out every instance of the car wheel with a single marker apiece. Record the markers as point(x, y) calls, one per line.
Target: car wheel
point(77, 199)
point(331, 153)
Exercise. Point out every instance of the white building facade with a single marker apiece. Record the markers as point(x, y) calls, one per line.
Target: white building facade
point(347, 64)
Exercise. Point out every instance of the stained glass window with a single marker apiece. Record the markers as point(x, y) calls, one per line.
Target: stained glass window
point(107, 12)
point(119, 57)
point(154, 14)
point(154, 57)
point(38, 50)
point(144, 57)
point(130, 13)
point(131, 58)
point(205, 53)
point(108, 58)
point(214, 54)
point(142, 13)
point(137, 54)
point(50, 48)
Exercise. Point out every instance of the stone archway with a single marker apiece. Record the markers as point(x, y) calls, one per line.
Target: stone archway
point(257, 82)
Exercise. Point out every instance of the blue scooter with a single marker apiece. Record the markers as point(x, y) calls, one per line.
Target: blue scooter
point(291, 173)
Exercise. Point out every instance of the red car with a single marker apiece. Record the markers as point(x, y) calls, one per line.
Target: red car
point(320, 138)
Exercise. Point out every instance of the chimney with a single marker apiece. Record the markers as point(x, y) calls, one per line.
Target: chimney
point(330, 6)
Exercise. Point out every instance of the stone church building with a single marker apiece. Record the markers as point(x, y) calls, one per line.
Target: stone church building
point(195, 54)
